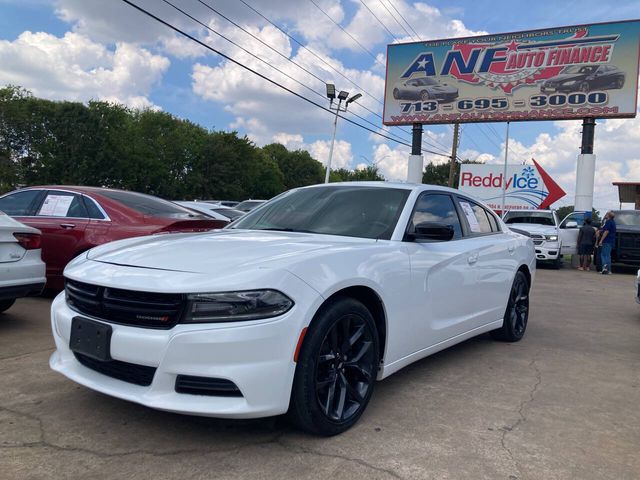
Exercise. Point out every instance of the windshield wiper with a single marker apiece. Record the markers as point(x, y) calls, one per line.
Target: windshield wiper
point(282, 229)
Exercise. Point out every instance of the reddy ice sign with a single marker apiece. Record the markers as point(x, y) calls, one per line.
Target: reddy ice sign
point(560, 73)
point(527, 186)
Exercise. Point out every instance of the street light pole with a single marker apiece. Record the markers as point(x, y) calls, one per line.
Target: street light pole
point(342, 97)
point(333, 141)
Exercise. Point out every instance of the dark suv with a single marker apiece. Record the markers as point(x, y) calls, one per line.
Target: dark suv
point(627, 247)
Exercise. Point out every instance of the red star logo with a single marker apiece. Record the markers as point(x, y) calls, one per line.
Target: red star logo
point(512, 47)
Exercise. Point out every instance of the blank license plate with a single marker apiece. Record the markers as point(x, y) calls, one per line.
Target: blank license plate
point(90, 338)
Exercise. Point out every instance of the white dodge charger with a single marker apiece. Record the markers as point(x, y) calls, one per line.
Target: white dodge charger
point(298, 307)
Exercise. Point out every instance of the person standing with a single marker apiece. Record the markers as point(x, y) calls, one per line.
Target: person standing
point(586, 243)
point(606, 241)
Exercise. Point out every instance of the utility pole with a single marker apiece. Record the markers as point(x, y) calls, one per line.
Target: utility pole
point(454, 155)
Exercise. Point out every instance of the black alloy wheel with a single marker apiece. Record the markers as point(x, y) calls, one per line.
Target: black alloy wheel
point(517, 314)
point(619, 83)
point(424, 95)
point(584, 87)
point(336, 370)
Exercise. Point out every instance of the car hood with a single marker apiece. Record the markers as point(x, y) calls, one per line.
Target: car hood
point(443, 89)
point(225, 251)
point(565, 77)
point(534, 228)
point(628, 228)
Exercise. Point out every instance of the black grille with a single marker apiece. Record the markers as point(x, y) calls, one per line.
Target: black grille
point(128, 307)
point(629, 240)
point(127, 372)
point(216, 387)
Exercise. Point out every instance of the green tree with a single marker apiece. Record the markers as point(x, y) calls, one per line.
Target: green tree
point(562, 212)
point(369, 173)
point(298, 167)
point(438, 174)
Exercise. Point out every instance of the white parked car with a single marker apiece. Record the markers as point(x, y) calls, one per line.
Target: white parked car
point(219, 212)
point(22, 271)
point(544, 228)
point(300, 305)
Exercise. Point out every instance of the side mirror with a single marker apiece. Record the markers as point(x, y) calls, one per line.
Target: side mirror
point(432, 231)
point(571, 224)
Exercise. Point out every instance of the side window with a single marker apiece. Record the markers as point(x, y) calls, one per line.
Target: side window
point(435, 207)
point(62, 204)
point(477, 217)
point(493, 222)
point(92, 209)
point(19, 203)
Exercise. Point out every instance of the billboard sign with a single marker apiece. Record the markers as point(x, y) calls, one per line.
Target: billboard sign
point(527, 186)
point(552, 74)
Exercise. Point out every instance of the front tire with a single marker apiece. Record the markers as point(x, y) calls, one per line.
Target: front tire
point(6, 304)
point(517, 314)
point(336, 370)
point(424, 95)
point(584, 87)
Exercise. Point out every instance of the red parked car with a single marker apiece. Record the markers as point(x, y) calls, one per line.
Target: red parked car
point(75, 219)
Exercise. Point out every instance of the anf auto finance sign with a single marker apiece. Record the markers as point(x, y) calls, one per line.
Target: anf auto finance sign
point(527, 186)
point(552, 74)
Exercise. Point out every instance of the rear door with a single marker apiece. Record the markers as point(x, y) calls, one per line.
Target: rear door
point(62, 218)
point(492, 260)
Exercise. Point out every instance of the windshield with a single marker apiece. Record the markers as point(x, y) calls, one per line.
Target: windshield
point(426, 81)
point(537, 218)
point(146, 204)
point(579, 69)
point(365, 212)
point(628, 218)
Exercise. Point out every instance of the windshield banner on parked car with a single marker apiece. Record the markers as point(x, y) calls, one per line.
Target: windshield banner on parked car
point(552, 74)
point(526, 186)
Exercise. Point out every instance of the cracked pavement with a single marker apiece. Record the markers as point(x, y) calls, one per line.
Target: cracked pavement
point(563, 403)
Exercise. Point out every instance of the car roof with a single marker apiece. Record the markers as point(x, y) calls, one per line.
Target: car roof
point(384, 184)
point(75, 188)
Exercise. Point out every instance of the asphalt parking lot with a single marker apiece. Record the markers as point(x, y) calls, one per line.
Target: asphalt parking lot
point(563, 403)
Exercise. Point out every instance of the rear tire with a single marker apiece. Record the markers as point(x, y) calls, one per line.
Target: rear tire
point(337, 368)
point(6, 304)
point(517, 314)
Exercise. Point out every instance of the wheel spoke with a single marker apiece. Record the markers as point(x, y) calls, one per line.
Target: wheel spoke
point(330, 398)
point(353, 392)
point(342, 398)
point(334, 338)
point(326, 358)
point(357, 334)
point(366, 346)
point(357, 368)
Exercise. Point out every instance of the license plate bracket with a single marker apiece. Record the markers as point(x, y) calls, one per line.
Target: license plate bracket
point(91, 338)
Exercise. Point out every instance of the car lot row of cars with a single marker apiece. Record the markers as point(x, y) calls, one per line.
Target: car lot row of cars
point(58, 223)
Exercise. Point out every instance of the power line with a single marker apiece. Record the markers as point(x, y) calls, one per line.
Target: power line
point(396, 20)
point(262, 60)
point(350, 36)
point(379, 21)
point(319, 57)
point(405, 20)
point(264, 77)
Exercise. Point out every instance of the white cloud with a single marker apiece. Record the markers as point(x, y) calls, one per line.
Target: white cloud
point(73, 67)
point(342, 154)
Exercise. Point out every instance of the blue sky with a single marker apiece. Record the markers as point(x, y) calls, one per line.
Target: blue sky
point(84, 49)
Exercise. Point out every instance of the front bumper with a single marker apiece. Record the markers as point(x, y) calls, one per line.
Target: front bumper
point(547, 251)
point(256, 356)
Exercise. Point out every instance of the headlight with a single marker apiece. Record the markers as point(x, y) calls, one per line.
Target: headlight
point(236, 306)
point(551, 238)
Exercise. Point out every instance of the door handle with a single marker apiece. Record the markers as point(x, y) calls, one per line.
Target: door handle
point(511, 248)
point(472, 258)
point(68, 225)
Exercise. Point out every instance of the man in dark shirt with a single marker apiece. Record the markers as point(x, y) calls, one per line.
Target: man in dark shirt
point(607, 241)
point(586, 242)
